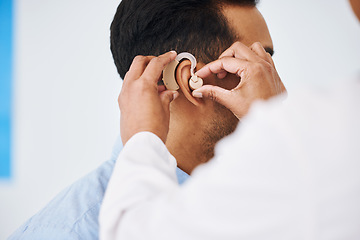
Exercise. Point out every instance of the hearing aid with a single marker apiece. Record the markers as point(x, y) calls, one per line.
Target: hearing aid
point(169, 73)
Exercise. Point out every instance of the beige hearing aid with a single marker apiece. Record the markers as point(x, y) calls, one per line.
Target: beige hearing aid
point(169, 73)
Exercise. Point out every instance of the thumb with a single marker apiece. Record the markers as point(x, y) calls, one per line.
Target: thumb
point(167, 97)
point(215, 93)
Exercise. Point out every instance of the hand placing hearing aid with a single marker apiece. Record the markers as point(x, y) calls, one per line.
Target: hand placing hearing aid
point(169, 73)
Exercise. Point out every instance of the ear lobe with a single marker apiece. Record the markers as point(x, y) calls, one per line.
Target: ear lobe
point(182, 77)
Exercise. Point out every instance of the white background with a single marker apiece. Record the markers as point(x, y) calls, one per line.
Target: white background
point(66, 85)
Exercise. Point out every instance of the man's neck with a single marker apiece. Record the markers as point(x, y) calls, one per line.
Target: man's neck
point(186, 146)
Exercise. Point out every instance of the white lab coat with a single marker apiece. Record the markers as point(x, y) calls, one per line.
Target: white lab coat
point(291, 170)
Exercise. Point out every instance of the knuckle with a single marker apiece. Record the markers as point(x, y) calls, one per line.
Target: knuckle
point(155, 60)
point(236, 44)
point(139, 58)
point(212, 95)
point(257, 44)
point(126, 75)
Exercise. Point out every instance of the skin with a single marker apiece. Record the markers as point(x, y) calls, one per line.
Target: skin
point(196, 125)
point(253, 65)
point(355, 4)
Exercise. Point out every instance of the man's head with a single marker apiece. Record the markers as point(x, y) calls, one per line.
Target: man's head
point(204, 28)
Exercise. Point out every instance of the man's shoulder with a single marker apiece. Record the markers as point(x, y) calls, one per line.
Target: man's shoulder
point(73, 212)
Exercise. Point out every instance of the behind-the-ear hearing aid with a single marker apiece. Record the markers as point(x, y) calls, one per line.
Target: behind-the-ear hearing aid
point(169, 73)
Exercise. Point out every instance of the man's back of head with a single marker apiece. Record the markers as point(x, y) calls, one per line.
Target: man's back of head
point(152, 27)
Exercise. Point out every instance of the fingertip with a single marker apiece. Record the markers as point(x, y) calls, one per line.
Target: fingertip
point(175, 95)
point(221, 75)
point(172, 54)
point(201, 73)
point(198, 71)
point(161, 88)
point(197, 94)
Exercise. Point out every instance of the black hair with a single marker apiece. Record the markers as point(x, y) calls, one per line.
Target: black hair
point(153, 27)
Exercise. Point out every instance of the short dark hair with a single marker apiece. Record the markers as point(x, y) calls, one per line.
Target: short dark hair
point(153, 27)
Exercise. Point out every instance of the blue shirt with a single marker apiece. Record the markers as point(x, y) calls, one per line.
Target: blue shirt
point(73, 213)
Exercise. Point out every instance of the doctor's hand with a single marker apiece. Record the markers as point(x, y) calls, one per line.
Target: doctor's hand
point(144, 106)
point(258, 78)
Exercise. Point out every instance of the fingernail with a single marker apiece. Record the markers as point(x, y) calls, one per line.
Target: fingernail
point(197, 94)
point(173, 51)
point(175, 95)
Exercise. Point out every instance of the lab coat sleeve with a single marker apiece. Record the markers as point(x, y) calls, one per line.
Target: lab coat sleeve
point(144, 169)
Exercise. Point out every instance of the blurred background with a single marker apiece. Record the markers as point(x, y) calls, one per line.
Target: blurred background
point(61, 96)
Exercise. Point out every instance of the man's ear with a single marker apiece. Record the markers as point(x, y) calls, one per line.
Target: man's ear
point(183, 76)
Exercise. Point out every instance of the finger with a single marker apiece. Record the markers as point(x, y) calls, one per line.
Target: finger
point(222, 74)
point(137, 67)
point(260, 51)
point(218, 94)
point(161, 88)
point(155, 67)
point(239, 50)
point(228, 64)
point(167, 97)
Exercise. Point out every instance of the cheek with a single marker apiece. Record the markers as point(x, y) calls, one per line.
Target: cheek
point(221, 124)
point(229, 82)
point(226, 116)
